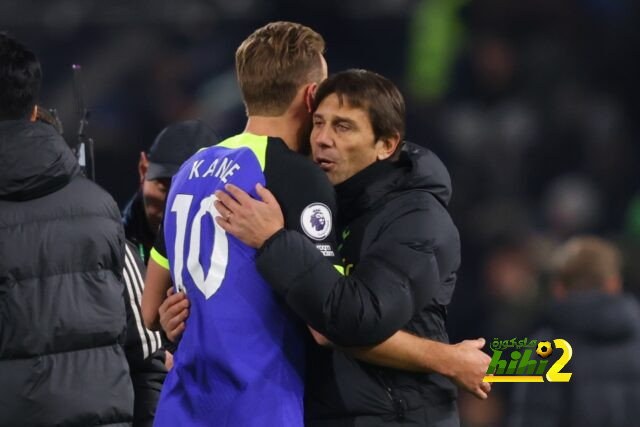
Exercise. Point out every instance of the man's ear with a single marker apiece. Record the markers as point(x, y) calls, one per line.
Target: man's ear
point(309, 93)
point(386, 147)
point(34, 113)
point(143, 165)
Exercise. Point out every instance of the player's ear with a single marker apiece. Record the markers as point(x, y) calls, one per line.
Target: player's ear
point(309, 93)
point(143, 165)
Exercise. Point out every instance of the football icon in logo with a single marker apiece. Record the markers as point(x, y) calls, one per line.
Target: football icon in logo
point(544, 349)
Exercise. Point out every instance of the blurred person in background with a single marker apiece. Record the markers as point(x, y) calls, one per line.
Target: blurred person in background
point(511, 286)
point(62, 250)
point(602, 325)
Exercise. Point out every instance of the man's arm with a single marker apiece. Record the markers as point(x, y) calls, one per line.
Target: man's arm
point(464, 363)
point(256, 223)
point(364, 308)
point(377, 299)
point(156, 284)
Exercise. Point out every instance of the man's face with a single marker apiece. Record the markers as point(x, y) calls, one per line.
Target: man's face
point(154, 195)
point(342, 139)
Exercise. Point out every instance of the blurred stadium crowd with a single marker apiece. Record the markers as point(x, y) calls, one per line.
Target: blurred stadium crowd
point(530, 104)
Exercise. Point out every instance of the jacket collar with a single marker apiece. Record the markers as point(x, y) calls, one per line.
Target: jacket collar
point(417, 169)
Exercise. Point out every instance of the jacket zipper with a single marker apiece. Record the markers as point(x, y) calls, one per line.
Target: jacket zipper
point(398, 403)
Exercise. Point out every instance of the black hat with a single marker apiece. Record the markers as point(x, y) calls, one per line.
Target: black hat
point(175, 144)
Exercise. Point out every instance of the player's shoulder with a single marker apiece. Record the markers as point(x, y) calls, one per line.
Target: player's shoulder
point(298, 170)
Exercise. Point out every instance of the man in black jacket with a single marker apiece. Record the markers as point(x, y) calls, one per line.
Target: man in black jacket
point(400, 248)
point(602, 326)
point(62, 312)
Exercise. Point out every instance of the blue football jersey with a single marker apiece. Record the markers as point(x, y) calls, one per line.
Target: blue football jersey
point(241, 358)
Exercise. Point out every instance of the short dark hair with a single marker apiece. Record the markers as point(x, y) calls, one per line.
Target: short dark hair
point(370, 91)
point(20, 79)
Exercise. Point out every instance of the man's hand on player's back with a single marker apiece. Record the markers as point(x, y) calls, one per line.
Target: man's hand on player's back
point(252, 221)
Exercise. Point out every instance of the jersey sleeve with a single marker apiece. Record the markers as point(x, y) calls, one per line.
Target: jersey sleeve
point(306, 197)
point(159, 250)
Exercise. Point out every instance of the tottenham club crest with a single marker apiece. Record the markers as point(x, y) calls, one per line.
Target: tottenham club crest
point(316, 221)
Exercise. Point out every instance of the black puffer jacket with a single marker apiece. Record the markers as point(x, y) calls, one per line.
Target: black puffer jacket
point(401, 251)
point(62, 312)
point(604, 388)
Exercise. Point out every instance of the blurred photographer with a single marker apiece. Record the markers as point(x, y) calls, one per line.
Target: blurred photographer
point(62, 251)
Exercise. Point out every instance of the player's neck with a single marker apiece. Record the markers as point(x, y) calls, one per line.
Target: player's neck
point(279, 127)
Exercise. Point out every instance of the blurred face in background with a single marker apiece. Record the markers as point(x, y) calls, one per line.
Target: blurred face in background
point(342, 140)
point(154, 194)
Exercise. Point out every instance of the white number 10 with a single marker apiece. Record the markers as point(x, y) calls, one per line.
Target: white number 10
point(210, 284)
